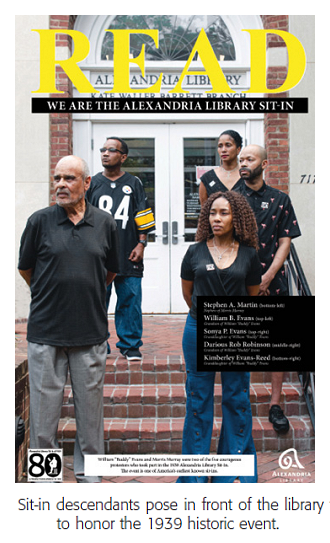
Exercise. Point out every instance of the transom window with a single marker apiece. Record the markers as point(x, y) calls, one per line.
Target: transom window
point(177, 36)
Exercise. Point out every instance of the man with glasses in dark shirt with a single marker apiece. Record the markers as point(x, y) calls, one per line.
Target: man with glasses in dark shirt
point(68, 255)
point(122, 195)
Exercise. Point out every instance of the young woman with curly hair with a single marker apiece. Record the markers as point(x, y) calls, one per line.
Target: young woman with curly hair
point(223, 262)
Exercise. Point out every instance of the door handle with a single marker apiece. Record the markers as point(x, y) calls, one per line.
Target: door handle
point(175, 235)
point(164, 236)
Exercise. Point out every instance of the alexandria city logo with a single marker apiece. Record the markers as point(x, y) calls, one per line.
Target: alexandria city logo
point(291, 467)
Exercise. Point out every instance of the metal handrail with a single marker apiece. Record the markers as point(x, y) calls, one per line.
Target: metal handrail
point(296, 276)
point(307, 381)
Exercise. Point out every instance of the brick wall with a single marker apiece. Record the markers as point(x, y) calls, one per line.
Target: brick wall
point(22, 406)
point(61, 136)
point(277, 124)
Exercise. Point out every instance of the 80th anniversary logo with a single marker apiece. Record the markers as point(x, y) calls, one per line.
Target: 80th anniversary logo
point(45, 465)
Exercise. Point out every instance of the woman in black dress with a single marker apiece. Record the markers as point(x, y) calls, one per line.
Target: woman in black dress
point(226, 176)
point(223, 262)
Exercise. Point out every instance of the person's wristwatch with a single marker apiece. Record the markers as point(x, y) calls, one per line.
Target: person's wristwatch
point(143, 241)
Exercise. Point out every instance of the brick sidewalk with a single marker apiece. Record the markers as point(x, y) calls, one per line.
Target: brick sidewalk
point(162, 344)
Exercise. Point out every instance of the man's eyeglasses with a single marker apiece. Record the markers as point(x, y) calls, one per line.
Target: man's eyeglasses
point(111, 150)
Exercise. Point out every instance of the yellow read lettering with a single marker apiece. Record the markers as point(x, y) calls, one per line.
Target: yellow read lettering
point(212, 69)
point(296, 61)
point(121, 60)
point(48, 62)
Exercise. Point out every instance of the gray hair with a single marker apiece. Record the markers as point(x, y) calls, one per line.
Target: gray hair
point(84, 166)
point(85, 169)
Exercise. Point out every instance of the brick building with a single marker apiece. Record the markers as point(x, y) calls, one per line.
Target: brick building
point(165, 148)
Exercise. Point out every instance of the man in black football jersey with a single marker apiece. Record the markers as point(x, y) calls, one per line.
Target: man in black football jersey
point(122, 195)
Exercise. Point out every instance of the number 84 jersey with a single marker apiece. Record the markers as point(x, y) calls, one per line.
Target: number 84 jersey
point(126, 201)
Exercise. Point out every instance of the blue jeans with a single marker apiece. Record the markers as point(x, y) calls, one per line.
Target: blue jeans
point(128, 311)
point(236, 429)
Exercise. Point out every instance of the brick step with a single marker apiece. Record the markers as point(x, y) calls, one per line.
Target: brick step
point(168, 400)
point(170, 370)
point(164, 436)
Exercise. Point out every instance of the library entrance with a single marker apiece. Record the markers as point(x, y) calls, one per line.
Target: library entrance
point(167, 150)
point(168, 159)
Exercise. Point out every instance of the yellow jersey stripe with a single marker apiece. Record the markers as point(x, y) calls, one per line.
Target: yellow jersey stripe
point(144, 219)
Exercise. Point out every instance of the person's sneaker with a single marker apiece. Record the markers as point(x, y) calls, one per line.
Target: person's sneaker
point(278, 419)
point(133, 354)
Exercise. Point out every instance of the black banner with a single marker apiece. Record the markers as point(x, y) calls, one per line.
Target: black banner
point(169, 105)
point(256, 333)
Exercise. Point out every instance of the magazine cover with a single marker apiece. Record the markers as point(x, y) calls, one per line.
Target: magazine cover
point(163, 111)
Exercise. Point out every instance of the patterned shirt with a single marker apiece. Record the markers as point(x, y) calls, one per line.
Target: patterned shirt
point(276, 219)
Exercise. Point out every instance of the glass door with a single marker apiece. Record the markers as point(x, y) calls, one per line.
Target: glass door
point(192, 147)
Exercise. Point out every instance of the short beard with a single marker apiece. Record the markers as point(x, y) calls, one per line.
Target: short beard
point(109, 167)
point(253, 174)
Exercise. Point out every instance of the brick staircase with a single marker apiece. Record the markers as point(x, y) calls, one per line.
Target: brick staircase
point(144, 402)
